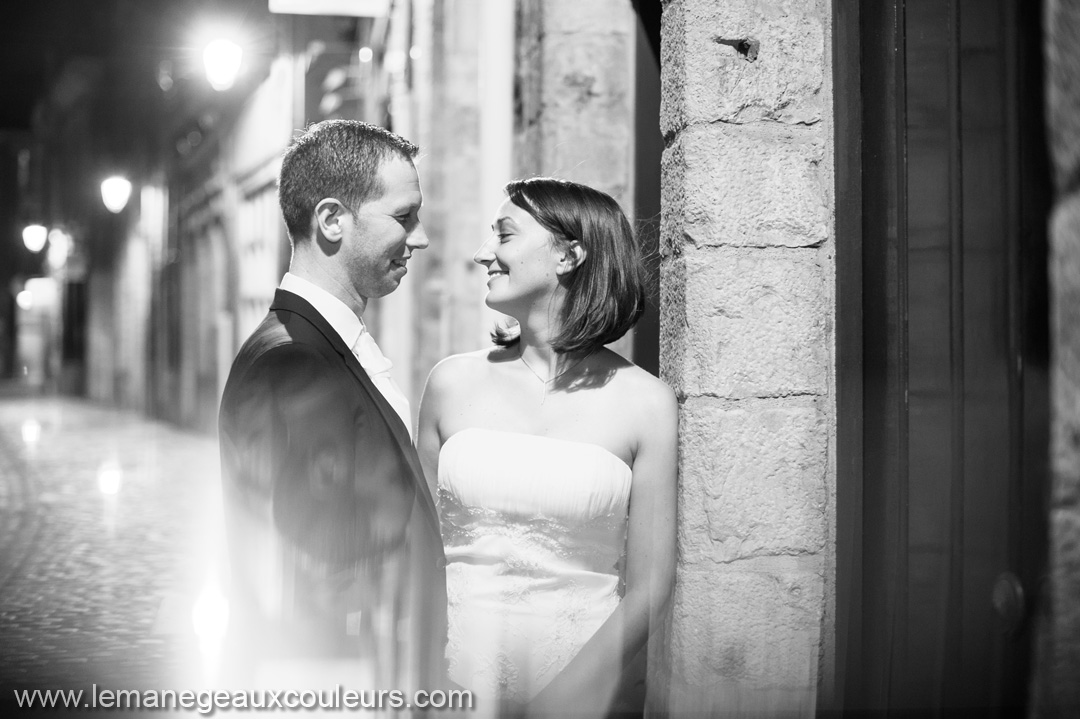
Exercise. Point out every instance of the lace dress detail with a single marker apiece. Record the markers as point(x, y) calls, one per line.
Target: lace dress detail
point(534, 530)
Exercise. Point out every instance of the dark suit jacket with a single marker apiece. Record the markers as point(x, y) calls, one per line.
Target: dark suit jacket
point(334, 539)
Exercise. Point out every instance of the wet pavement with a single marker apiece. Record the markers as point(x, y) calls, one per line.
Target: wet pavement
point(109, 548)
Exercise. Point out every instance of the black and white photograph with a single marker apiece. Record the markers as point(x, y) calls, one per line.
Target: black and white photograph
point(529, 359)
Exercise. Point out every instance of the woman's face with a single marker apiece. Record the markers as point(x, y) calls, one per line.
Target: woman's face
point(522, 261)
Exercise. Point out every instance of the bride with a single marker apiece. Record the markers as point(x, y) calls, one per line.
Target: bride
point(555, 464)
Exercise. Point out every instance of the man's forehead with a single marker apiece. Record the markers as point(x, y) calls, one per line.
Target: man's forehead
point(400, 182)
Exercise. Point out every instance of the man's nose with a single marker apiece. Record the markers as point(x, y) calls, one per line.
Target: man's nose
point(486, 254)
point(418, 238)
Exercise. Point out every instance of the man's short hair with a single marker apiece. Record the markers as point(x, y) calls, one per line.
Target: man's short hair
point(334, 158)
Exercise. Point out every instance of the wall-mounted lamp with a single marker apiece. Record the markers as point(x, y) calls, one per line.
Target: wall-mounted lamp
point(115, 192)
point(222, 59)
point(34, 236)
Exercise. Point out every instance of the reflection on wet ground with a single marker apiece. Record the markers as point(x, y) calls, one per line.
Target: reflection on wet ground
point(110, 548)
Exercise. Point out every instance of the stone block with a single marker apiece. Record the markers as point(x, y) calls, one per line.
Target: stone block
point(754, 187)
point(1065, 438)
point(673, 198)
point(753, 479)
point(754, 629)
point(673, 68)
point(758, 323)
point(707, 76)
point(587, 135)
point(1065, 325)
point(593, 16)
point(1064, 659)
point(1062, 48)
point(1065, 281)
point(673, 322)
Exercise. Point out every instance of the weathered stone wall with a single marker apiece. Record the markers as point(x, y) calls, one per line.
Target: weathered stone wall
point(1058, 689)
point(747, 306)
point(575, 92)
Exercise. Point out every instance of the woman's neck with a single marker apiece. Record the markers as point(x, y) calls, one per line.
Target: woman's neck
point(534, 348)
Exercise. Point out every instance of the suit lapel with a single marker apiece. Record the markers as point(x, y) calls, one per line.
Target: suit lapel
point(285, 300)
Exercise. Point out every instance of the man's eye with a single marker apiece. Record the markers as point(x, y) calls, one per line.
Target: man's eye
point(503, 237)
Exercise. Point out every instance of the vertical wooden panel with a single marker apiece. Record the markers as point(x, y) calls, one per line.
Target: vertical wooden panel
point(986, 324)
point(932, 212)
point(847, 113)
point(953, 309)
point(882, 531)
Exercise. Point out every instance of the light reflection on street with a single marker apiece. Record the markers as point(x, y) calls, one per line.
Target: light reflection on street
point(112, 573)
point(31, 431)
point(110, 476)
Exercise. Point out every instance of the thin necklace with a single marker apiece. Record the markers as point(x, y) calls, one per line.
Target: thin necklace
point(546, 382)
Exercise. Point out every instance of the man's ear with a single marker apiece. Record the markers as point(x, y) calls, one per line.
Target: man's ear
point(328, 214)
point(573, 256)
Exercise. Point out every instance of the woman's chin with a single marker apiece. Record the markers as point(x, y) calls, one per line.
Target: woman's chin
point(497, 303)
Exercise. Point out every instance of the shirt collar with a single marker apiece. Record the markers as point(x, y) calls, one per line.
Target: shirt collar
point(344, 321)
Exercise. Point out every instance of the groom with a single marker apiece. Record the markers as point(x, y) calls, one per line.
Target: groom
point(336, 560)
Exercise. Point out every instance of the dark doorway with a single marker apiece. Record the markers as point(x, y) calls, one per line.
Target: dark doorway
point(648, 149)
point(942, 200)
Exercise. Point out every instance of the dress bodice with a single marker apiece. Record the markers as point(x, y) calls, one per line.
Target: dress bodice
point(534, 530)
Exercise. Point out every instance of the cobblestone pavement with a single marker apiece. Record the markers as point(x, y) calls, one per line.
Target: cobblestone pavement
point(109, 541)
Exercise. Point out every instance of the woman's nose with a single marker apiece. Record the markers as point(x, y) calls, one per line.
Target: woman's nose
point(486, 254)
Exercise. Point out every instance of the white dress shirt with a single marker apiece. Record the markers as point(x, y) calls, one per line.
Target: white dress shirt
point(354, 333)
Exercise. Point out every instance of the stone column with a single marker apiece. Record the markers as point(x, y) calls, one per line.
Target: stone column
point(1058, 691)
point(747, 307)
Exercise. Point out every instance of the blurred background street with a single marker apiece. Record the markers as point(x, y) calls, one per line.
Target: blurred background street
point(107, 542)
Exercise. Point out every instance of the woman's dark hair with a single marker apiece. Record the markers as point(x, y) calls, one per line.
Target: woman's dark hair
point(605, 294)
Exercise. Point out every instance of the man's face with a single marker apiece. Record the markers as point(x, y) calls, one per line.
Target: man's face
point(386, 231)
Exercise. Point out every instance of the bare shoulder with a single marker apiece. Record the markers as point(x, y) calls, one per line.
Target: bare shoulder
point(464, 370)
point(650, 394)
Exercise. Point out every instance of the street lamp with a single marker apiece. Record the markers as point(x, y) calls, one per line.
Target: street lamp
point(222, 59)
point(115, 192)
point(34, 236)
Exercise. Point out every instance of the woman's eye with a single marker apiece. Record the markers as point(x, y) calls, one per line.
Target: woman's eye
point(503, 237)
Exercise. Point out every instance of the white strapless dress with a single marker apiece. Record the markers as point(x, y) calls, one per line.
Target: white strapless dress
point(535, 535)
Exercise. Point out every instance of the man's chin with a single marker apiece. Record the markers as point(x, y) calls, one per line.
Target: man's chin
point(386, 289)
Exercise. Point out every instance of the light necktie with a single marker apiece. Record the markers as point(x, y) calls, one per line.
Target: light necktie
point(378, 368)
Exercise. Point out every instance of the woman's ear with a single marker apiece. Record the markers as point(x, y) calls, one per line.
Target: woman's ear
point(328, 214)
point(572, 258)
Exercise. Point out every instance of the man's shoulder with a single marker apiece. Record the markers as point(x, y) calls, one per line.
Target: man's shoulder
point(282, 349)
point(282, 330)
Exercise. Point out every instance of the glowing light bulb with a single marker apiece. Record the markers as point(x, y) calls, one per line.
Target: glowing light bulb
point(34, 237)
point(222, 59)
point(115, 192)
